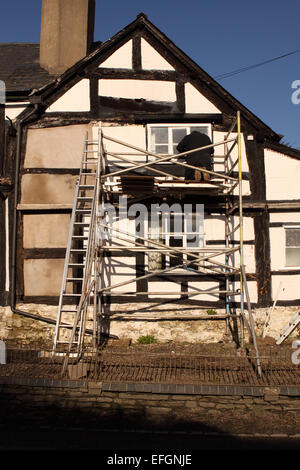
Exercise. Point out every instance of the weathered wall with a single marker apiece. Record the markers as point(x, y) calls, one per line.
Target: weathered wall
point(17, 329)
point(55, 147)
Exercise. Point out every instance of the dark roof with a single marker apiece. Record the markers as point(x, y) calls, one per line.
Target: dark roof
point(283, 148)
point(20, 69)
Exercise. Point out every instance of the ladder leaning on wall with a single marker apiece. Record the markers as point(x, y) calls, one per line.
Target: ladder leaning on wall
point(84, 253)
point(80, 275)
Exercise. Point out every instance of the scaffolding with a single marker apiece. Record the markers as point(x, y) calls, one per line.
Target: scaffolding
point(100, 184)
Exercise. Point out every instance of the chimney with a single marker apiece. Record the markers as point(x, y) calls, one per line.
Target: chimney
point(67, 33)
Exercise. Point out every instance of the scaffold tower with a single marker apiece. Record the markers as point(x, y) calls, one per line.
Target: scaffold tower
point(93, 236)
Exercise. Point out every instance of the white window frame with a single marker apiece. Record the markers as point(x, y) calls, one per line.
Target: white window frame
point(287, 227)
point(164, 237)
point(171, 126)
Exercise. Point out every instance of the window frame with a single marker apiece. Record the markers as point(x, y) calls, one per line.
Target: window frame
point(171, 126)
point(289, 227)
point(164, 237)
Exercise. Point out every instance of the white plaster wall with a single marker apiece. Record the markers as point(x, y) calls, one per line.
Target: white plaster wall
point(289, 289)
point(195, 102)
point(219, 136)
point(277, 242)
point(282, 176)
point(285, 217)
point(121, 59)
point(214, 227)
point(131, 134)
point(12, 112)
point(122, 270)
point(203, 287)
point(77, 99)
point(289, 283)
point(153, 60)
point(138, 89)
point(219, 163)
point(154, 286)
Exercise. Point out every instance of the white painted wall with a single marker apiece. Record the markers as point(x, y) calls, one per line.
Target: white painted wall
point(138, 89)
point(153, 60)
point(121, 59)
point(77, 99)
point(13, 110)
point(282, 176)
point(195, 102)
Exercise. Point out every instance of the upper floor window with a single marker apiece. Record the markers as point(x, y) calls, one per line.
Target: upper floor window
point(292, 246)
point(164, 138)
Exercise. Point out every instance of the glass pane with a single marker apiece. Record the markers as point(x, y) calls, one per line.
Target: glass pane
point(292, 236)
point(292, 256)
point(176, 223)
point(159, 135)
point(178, 134)
point(202, 129)
point(161, 149)
point(178, 257)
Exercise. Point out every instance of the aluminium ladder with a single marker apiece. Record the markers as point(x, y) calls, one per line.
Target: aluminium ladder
point(79, 275)
point(288, 329)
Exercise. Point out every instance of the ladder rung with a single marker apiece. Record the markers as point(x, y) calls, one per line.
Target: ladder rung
point(77, 250)
point(84, 211)
point(72, 295)
point(77, 265)
point(65, 342)
point(84, 198)
point(74, 279)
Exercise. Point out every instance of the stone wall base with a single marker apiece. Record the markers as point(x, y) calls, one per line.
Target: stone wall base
point(18, 329)
point(101, 406)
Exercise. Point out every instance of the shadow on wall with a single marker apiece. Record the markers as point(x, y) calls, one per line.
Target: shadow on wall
point(55, 428)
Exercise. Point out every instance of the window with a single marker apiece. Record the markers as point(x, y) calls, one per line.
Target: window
point(178, 231)
point(164, 138)
point(292, 246)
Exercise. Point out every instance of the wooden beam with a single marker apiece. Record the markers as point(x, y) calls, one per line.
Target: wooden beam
point(255, 158)
point(136, 74)
point(3, 249)
point(2, 138)
point(44, 253)
point(136, 53)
